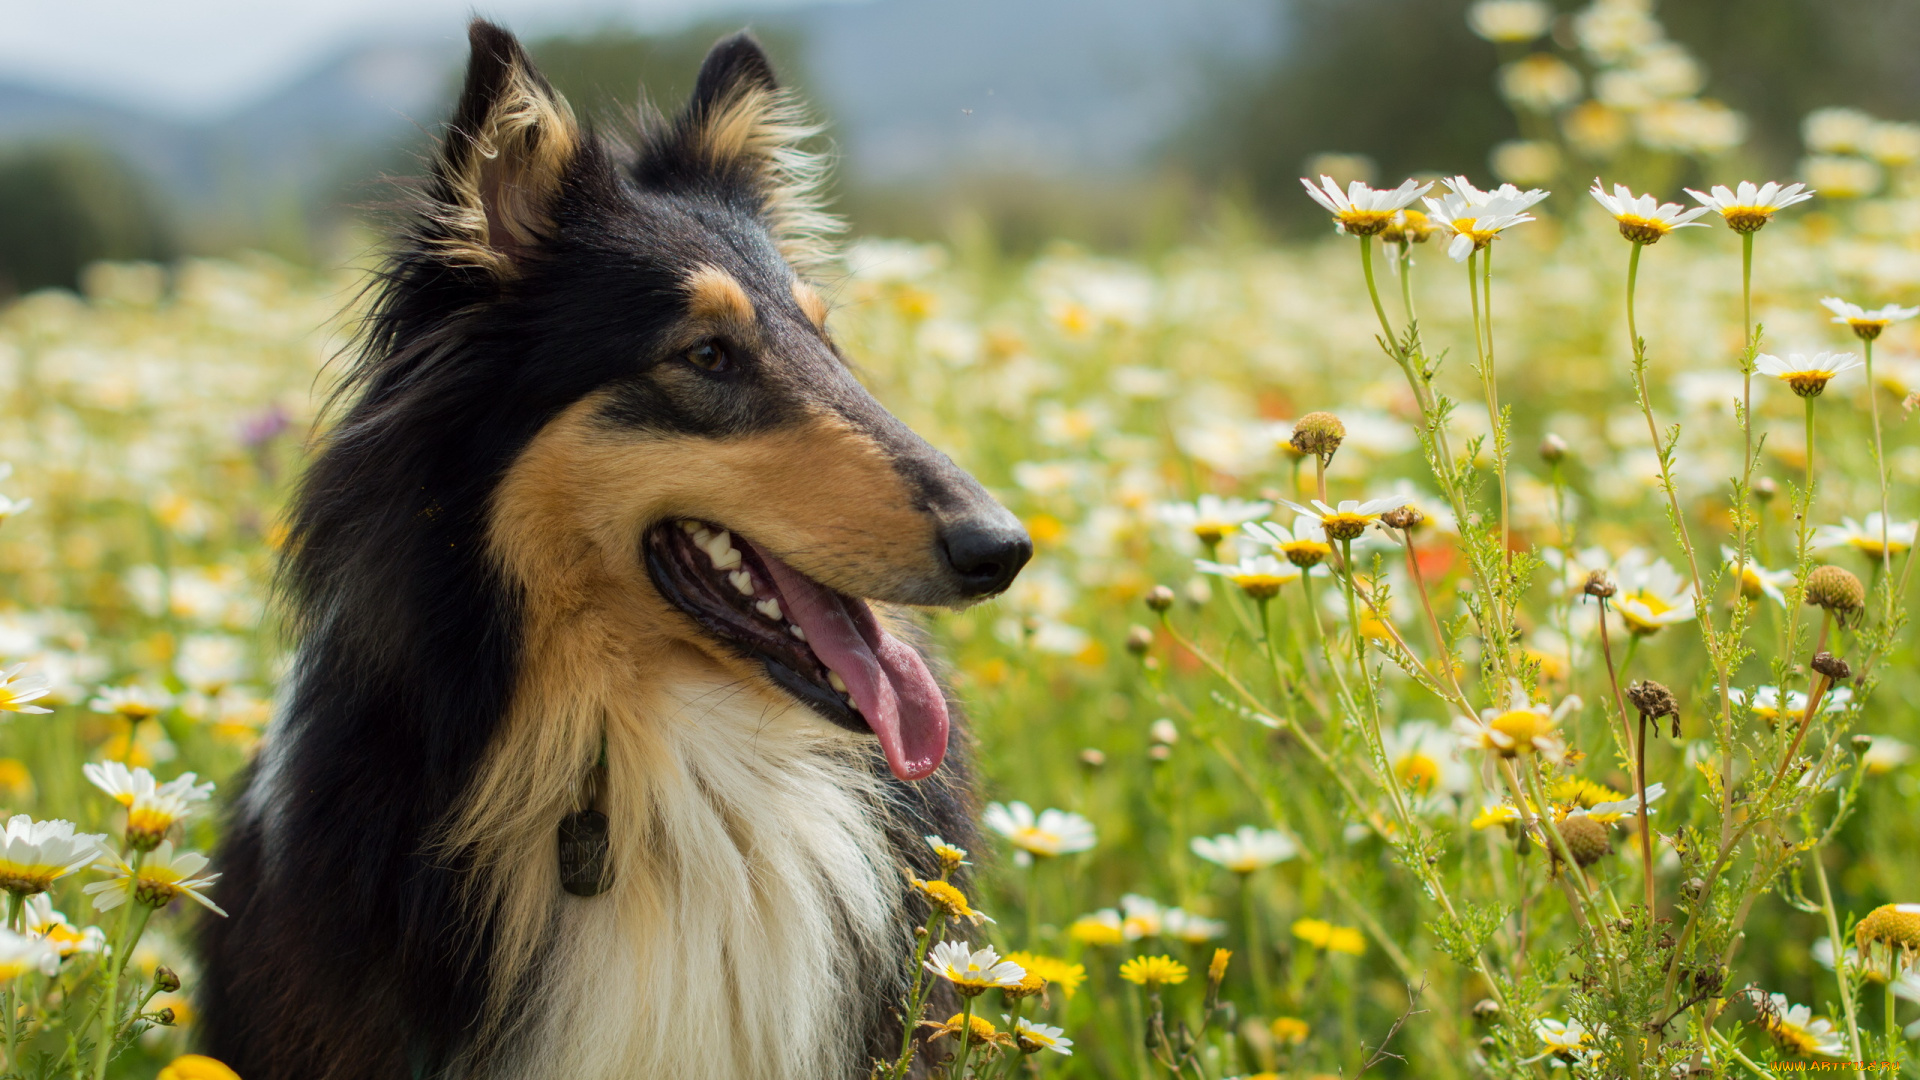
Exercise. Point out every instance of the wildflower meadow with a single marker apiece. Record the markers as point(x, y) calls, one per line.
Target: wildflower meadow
point(1472, 643)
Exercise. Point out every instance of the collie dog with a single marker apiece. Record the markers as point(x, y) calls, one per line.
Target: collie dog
point(604, 753)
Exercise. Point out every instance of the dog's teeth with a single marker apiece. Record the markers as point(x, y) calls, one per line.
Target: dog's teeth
point(689, 525)
point(834, 680)
point(727, 561)
point(769, 608)
point(795, 630)
point(742, 581)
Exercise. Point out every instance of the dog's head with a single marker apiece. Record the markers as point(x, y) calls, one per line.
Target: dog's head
point(678, 439)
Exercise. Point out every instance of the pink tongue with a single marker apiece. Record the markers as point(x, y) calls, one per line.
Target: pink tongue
point(889, 682)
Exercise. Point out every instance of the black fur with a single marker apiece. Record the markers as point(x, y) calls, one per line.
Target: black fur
point(348, 953)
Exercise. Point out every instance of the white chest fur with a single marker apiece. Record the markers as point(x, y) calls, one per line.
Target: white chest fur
point(753, 898)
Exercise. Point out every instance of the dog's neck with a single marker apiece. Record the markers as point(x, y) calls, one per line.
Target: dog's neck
point(753, 895)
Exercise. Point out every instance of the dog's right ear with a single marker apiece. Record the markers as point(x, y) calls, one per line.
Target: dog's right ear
point(504, 158)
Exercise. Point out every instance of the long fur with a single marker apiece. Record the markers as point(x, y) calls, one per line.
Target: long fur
point(476, 630)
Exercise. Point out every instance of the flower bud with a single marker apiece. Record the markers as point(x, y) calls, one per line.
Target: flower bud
point(1599, 584)
point(1318, 434)
point(1402, 517)
point(1139, 640)
point(1587, 840)
point(164, 1017)
point(1093, 759)
point(1765, 489)
point(1832, 666)
point(1159, 598)
point(1486, 1009)
point(165, 981)
point(1163, 732)
point(1862, 743)
point(1836, 589)
point(1553, 449)
point(1160, 753)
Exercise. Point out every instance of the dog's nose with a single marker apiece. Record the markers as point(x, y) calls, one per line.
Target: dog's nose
point(985, 553)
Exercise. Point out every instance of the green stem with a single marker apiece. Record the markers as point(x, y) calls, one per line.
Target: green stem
point(1880, 463)
point(1493, 409)
point(1033, 905)
point(966, 1037)
point(917, 999)
point(1839, 959)
point(1373, 291)
point(1256, 942)
point(132, 925)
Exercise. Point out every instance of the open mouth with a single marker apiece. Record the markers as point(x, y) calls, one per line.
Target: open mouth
point(823, 647)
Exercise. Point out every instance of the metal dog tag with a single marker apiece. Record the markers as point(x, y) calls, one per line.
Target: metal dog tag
point(583, 853)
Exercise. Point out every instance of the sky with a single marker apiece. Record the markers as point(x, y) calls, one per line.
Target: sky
point(192, 59)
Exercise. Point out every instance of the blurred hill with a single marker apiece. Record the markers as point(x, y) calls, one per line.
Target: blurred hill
point(916, 90)
point(1117, 122)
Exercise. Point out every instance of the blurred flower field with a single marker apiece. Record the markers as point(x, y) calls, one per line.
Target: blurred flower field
point(1131, 414)
point(1365, 630)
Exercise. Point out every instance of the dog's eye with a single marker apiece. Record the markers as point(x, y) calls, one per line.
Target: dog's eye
point(708, 356)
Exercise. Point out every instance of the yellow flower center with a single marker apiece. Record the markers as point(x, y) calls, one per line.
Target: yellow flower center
point(1306, 553)
point(1344, 526)
point(1871, 545)
point(1365, 222)
point(1642, 616)
point(1642, 230)
point(1212, 532)
point(1808, 383)
point(1866, 329)
point(1260, 586)
point(1746, 219)
point(1524, 727)
point(1418, 771)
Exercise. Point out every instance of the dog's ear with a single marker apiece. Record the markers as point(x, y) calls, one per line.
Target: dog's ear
point(502, 162)
point(743, 129)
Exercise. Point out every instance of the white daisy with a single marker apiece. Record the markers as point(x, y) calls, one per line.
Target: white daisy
point(160, 877)
point(1767, 703)
point(1795, 1031)
point(1756, 580)
point(40, 919)
point(1141, 917)
point(22, 953)
point(1747, 208)
point(1524, 726)
point(1048, 834)
point(38, 853)
point(1509, 20)
point(1246, 849)
point(1182, 925)
point(1867, 325)
point(1421, 754)
point(1807, 375)
point(1652, 595)
point(1610, 812)
point(1346, 521)
point(1210, 518)
point(1644, 219)
point(152, 808)
point(132, 702)
point(1567, 1040)
point(1259, 576)
point(1476, 217)
point(1305, 545)
point(1885, 755)
point(1033, 1038)
point(1864, 537)
point(1363, 210)
point(973, 971)
point(18, 691)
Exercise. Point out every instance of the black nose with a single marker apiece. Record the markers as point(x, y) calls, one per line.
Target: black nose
point(985, 554)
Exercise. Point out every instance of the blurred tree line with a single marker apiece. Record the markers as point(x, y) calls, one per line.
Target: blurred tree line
point(1408, 85)
point(1402, 82)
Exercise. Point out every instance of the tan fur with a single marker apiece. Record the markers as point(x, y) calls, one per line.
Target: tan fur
point(810, 303)
point(504, 179)
point(713, 294)
point(732, 807)
point(766, 130)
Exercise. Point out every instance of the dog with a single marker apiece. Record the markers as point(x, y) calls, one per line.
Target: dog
point(607, 746)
